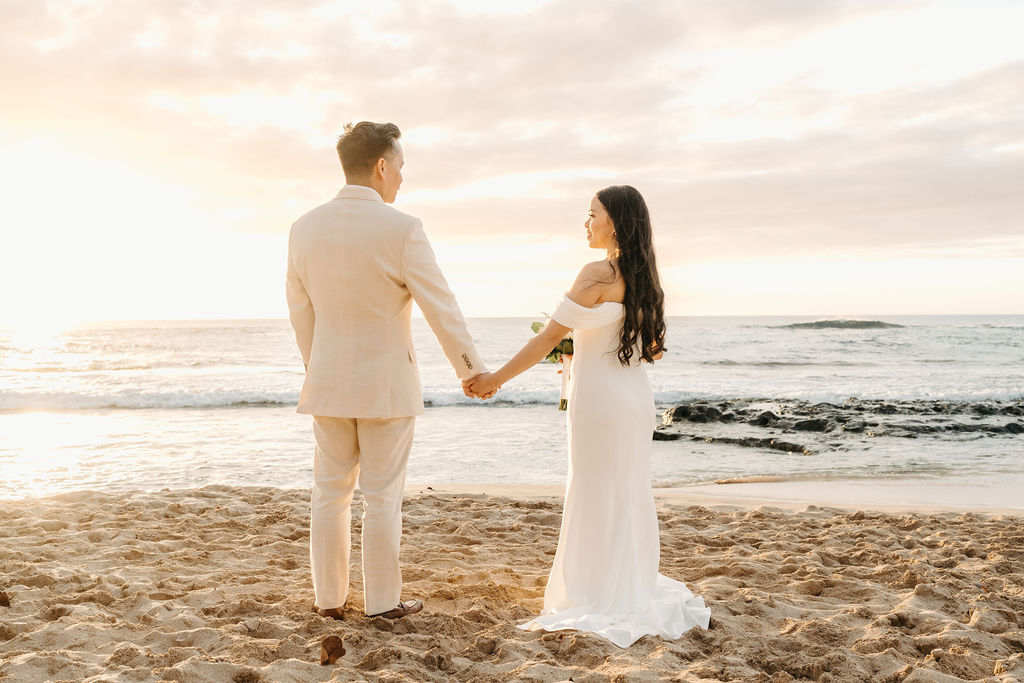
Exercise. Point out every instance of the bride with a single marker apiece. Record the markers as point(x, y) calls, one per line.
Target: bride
point(605, 574)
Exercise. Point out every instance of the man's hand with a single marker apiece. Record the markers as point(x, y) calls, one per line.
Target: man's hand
point(466, 384)
point(482, 386)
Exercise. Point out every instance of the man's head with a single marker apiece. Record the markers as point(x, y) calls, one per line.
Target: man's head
point(372, 156)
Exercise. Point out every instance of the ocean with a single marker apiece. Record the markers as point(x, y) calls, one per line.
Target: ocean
point(175, 404)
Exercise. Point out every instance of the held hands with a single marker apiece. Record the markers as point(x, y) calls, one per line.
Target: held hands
point(482, 386)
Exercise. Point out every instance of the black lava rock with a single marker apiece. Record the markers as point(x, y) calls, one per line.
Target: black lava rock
point(695, 412)
point(704, 413)
point(764, 419)
point(787, 446)
point(665, 436)
point(813, 425)
point(677, 413)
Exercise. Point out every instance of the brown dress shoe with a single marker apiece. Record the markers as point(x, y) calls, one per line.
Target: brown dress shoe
point(404, 609)
point(333, 612)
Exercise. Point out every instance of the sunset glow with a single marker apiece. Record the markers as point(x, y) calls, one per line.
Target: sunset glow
point(156, 158)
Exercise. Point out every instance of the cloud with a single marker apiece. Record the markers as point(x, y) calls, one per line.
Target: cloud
point(744, 147)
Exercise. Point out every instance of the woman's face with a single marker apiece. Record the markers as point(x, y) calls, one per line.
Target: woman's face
point(600, 229)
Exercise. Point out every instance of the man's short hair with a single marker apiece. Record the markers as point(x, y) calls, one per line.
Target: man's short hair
point(362, 144)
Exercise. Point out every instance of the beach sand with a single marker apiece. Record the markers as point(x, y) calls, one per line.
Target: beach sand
point(213, 584)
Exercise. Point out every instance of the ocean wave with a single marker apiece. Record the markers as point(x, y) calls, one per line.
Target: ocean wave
point(87, 368)
point(14, 401)
point(21, 401)
point(199, 367)
point(11, 401)
point(505, 397)
point(841, 324)
point(786, 364)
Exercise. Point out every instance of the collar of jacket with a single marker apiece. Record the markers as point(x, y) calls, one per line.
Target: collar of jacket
point(359, 192)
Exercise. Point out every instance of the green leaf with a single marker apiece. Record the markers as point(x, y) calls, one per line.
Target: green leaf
point(537, 327)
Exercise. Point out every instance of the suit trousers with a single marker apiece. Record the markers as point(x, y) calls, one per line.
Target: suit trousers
point(372, 453)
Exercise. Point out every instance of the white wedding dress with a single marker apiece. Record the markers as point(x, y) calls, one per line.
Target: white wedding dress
point(605, 575)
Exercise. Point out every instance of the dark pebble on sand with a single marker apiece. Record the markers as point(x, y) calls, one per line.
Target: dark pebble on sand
point(1015, 428)
point(5, 600)
point(331, 649)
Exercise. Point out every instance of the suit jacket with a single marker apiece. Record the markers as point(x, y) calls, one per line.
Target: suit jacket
point(355, 265)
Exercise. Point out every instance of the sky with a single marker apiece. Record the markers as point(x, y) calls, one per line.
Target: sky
point(799, 157)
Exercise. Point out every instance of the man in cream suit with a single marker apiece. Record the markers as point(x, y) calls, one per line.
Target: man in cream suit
point(355, 266)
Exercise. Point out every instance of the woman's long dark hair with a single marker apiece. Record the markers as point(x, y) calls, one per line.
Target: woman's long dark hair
point(644, 325)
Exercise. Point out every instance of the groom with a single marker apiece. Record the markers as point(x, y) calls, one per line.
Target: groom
point(355, 266)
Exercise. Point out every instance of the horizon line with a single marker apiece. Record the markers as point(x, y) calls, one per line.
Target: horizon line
point(873, 316)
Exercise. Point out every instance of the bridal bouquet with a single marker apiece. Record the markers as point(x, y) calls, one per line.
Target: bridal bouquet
point(562, 353)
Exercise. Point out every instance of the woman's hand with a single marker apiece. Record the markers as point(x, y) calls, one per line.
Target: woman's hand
point(483, 386)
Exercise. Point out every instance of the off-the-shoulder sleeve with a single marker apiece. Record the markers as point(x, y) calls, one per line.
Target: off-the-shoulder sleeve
point(571, 314)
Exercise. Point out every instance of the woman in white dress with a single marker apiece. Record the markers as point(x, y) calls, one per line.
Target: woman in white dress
point(605, 574)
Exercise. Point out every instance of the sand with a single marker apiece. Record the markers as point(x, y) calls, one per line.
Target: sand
point(213, 584)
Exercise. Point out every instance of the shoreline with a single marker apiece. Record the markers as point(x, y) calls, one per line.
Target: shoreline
point(914, 495)
point(867, 495)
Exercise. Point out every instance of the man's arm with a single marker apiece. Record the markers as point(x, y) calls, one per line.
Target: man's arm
point(300, 312)
point(430, 290)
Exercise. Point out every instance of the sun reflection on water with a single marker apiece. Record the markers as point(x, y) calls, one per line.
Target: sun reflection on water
point(41, 453)
point(32, 346)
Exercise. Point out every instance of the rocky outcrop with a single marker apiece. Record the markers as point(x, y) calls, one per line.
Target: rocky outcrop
point(759, 423)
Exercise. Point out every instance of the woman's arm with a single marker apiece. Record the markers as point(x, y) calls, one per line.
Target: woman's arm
point(532, 353)
point(590, 284)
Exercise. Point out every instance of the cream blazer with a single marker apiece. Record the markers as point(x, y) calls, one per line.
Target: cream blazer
point(355, 265)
